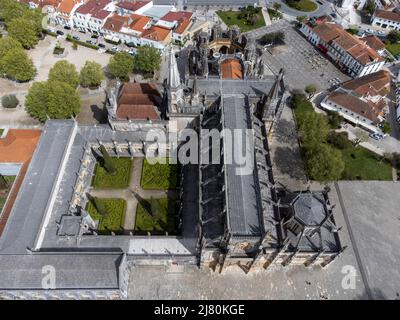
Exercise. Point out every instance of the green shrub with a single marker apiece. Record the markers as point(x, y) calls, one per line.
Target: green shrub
point(9, 101)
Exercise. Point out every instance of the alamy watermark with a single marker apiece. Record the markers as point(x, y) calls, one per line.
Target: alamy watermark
point(228, 146)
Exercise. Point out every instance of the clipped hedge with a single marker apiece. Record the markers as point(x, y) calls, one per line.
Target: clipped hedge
point(82, 43)
point(9, 101)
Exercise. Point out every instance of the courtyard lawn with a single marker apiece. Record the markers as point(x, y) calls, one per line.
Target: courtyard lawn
point(362, 164)
point(159, 176)
point(302, 5)
point(160, 221)
point(1, 131)
point(231, 18)
point(4, 192)
point(114, 220)
point(103, 180)
point(393, 48)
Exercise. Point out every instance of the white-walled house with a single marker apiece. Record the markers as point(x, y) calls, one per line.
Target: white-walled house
point(92, 15)
point(65, 11)
point(386, 19)
point(361, 101)
point(133, 7)
point(350, 53)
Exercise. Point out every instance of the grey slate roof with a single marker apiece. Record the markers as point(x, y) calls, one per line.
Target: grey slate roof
point(243, 205)
point(33, 198)
point(72, 271)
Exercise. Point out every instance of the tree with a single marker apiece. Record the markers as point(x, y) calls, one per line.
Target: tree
point(9, 101)
point(334, 119)
point(276, 6)
point(3, 182)
point(100, 207)
point(121, 65)
point(324, 163)
point(386, 128)
point(393, 36)
point(7, 44)
point(273, 38)
point(10, 9)
point(24, 31)
point(64, 71)
point(301, 19)
point(147, 59)
point(91, 74)
point(370, 7)
point(361, 136)
point(16, 65)
point(339, 140)
point(314, 129)
point(52, 99)
point(107, 163)
point(311, 89)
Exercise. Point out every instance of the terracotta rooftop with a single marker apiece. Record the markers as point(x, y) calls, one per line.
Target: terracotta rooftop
point(366, 109)
point(137, 112)
point(139, 22)
point(374, 42)
point(173, 16)
point(66, 6)
point(333, 33)
point(95, 8)
point(156, 33)
point(377, 83)
point(387, 15)
point(132, 6)
point(139, 88)
point(115, 23)
point(17, 147)
point(182, 26)
point(231, 69)
point(138, 101)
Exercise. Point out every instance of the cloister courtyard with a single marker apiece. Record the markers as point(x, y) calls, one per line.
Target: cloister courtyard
point(140, 198)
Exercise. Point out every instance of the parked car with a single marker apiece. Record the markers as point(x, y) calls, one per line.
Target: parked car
point(94, 36)
point(320, 2)
point(60, 33)
point(101, 45)
point(76, 38)
point(51, 30)
point(376, 136)
point(89, 41)
point(67, 27)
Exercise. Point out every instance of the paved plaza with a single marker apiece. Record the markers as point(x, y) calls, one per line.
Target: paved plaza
point(303, 64)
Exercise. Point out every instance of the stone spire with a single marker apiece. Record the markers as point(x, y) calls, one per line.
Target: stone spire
point(270, 102)
point(175, 86)
point(174, 78)
point(194, 99)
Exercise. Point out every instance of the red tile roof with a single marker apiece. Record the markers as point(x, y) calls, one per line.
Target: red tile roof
point(333, 33)
point(374, 42)
point(66, 6)
point(231, 69)
point(132, 5)
point(138, 101)
point(156, 33)
point(366, 109)
point(377, 83)
point(137, 112)
point(173, 16)
point(387, 15)
point(182, 26)
point(115, 23)
point(17, 147)
point(139, 22)
point(95, 8)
